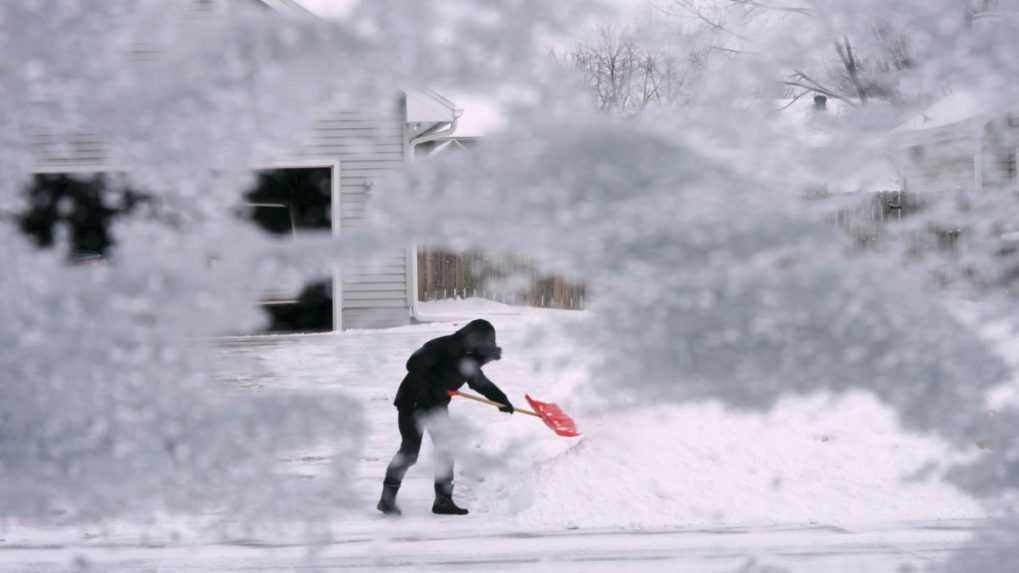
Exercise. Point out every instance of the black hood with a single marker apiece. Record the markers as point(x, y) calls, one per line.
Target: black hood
point(478, 339)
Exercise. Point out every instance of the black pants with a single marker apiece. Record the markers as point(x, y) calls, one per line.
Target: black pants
point(410, 423)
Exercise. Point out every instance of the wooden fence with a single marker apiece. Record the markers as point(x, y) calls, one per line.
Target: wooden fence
point(443, 274)
point(864, 221)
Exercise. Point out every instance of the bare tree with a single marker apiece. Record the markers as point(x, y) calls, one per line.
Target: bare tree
point(626, 77)
point(862, 67)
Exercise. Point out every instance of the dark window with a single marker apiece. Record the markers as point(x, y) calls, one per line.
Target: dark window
point(311, 312)
point(1007, 164)
point(285, 202)
point(85, 204)
point(277, 218)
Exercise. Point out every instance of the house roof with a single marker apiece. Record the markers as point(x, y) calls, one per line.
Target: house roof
point(476, 115)
point(955, 108)
point(481, 116)
point(329, 8)
point(286, 7)
point(291, 7)
point(429, 106)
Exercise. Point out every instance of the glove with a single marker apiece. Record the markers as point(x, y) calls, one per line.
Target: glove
point(508, 408)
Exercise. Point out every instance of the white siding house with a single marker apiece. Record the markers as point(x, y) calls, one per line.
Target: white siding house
point(958, 145)
point(357, 147)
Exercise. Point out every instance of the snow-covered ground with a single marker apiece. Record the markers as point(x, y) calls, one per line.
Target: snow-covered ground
point(818, 484)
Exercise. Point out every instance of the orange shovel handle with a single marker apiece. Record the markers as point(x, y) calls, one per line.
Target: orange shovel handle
point(491, 402)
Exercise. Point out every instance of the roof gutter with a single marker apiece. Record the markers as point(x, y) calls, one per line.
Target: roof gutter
point(436, 131)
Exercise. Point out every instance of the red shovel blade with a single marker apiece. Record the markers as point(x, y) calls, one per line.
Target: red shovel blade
point(554, 417)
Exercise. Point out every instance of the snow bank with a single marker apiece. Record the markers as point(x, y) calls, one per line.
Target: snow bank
point(449, 310)
point(811, 460)
point(817, 459)
point(832, 461)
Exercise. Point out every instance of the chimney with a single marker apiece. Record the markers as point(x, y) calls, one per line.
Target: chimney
point(820, 102)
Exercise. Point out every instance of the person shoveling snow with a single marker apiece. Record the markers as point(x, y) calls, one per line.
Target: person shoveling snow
point(442, 365)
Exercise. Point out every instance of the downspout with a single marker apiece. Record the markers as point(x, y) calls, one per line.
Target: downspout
point(431, 134)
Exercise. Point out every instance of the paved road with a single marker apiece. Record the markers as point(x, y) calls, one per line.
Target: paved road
point(809, 548)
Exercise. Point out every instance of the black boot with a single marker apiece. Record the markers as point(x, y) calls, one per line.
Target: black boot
point(387, 503)
point(444, 501)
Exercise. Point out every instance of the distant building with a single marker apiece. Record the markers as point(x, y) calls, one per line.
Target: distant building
point(958, 144)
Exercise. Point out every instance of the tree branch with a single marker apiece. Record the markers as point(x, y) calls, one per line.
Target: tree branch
point(689, 7)
point(849, 62)
point(812, 85)
point(795, 99)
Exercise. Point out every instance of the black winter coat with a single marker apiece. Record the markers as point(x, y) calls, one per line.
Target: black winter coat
point(446, 363)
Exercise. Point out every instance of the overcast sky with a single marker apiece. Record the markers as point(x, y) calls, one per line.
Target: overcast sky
point(481, 115)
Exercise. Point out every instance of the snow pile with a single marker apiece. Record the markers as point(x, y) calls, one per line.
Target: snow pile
point(809, 459)
point(815, 459)
point(831, 461)
point(450, 310)
point(820, 459)
point(827, 461)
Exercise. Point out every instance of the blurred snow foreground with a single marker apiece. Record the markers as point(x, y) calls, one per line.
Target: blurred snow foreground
point(712, 278)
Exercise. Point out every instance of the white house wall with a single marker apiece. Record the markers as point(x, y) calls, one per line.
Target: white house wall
point(972, 154)
point(939, 161)
point(80, 151)
point(367, 145)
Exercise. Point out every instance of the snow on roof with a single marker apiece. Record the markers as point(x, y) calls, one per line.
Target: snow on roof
point(290, 7)
point(478, 115)
point(481, 116)
point(954, 108)
point(427, 106)
point(818, 129)
point(328, 8)
point(801, 120)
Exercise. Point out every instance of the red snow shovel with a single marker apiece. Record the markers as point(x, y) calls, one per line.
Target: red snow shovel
point(549, 413)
